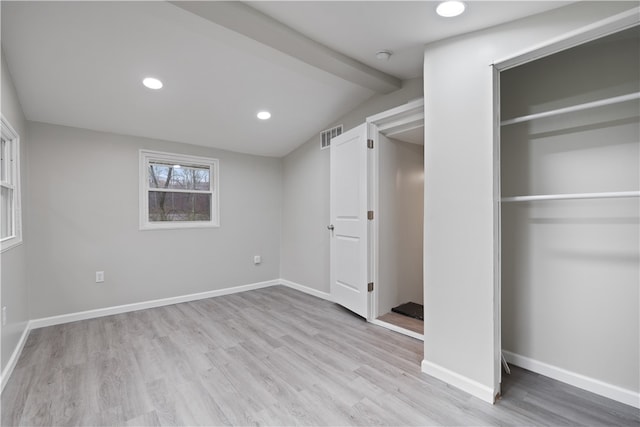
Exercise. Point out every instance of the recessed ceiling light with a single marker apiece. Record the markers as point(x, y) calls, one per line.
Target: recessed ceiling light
point(264, 115)
point(152, 83)
point(449, 9)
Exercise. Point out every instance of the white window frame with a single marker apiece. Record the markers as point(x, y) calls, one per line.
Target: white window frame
point(13, 183)
point(148, 156)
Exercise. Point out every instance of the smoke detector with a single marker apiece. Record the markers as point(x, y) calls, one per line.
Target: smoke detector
point(383, 55)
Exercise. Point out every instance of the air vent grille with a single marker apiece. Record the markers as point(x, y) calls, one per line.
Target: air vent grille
point(327, 135)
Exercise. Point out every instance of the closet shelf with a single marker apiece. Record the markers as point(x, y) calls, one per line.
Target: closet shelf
point(573, 108)
point(608, 195)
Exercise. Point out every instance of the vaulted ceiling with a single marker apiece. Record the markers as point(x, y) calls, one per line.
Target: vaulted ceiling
point(81, 63)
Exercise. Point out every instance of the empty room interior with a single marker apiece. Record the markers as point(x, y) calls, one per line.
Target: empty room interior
point(320, 213)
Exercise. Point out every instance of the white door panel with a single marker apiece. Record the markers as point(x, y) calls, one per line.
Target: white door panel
point(348, 206)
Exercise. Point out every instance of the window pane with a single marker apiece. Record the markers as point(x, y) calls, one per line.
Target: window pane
point(6, 213)
point(181, 177)
point(4, 159)
point(168, 206)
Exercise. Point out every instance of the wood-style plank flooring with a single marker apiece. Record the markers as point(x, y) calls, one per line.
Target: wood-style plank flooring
point(272, 356)
point(406, 322)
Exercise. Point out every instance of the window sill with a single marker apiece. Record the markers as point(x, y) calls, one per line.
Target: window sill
point(10, 244)
point(181, 226)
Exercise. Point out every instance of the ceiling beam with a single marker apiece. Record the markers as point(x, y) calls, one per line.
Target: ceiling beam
point(245, 20)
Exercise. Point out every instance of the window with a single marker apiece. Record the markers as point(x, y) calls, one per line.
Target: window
point(10, 214)
point(177, 191)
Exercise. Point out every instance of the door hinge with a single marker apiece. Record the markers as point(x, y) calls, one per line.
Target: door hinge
point(369, 215)
point(370, 287)
point(369, 143)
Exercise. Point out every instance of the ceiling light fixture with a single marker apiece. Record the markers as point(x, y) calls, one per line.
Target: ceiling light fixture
point(264, 115)
point(383, 55)
point(152, 83)
point(449, 9)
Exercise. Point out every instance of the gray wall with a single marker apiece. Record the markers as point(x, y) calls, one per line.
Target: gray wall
point(400, 216)
point(570, 292)
point(13, 262)
point(83, 217)
point(460, 331)
point(305, 211)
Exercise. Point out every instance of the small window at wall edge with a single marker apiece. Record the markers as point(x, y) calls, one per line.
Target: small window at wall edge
point(11, 208)
point(178, 191)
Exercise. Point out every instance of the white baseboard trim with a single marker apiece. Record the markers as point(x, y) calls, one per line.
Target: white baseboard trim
point(11, 364)
point(397, 329)
point(108, 311)
point(125, 308)
point(468, 385)
point(306, 289)
point(327, 296)
point(593, 385)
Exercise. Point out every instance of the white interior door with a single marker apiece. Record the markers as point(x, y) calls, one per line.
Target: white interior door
point(348, 211)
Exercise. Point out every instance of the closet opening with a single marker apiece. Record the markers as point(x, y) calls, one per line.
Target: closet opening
point(399, 193)
point(569, 215)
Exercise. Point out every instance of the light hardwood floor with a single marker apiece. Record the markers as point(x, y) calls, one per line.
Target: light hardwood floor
point(272, 356)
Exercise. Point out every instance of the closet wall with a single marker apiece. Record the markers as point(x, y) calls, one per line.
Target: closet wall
point(401, 213)
point(570, 268)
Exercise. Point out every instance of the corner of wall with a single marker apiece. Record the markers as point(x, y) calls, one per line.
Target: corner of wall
point(14, 261)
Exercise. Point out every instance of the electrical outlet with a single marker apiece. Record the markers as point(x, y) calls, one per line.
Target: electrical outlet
point(257, 259)
point(4, 315)
point(99, 276)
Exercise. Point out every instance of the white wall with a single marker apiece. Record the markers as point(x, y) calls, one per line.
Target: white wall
point(460, 330)
point(83, 198)
point(570, 290)
point(401, 211)
point(305, 212)
point(13, 262)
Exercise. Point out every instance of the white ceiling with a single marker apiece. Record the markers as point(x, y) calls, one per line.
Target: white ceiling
point(359, 29)
point(81, 63)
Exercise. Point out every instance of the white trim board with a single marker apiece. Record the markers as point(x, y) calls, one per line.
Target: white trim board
point(306, 289)
point(126, 308)
point(108, 311)
point(398, 329)
point(13, 360)
point(585, 34)
point(628, 397)
point(466, 384)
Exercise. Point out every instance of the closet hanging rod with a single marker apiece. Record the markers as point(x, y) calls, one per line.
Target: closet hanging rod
point(573, 108)
point(608, 195)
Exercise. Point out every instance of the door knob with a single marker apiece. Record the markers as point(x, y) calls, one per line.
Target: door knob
point(330, 227)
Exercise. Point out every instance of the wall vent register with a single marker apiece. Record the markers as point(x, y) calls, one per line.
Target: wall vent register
point(327, 135)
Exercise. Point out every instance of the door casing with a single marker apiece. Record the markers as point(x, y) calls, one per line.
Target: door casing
point(396, 120)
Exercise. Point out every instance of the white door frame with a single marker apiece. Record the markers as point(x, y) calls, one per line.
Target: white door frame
point(603, 28)
point(403, 118)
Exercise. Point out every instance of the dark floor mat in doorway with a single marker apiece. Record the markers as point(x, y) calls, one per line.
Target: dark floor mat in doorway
point(410, 309)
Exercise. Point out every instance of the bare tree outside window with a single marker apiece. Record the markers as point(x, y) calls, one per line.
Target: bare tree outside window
point(179, 192)
point(178, 206)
